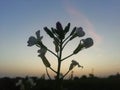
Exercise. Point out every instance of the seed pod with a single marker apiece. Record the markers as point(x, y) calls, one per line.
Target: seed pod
point(45, 61)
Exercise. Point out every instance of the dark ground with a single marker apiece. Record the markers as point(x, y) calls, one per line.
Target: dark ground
point(84, 83)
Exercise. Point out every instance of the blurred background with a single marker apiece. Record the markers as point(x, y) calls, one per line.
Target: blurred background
point(20, 19)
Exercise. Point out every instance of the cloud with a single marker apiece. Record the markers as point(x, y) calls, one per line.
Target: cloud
point(79, 19)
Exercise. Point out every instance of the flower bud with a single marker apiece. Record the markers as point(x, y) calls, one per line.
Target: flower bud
point(80, 32)
point(88, 42)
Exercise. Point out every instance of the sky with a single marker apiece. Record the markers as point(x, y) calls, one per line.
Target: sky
point(20, 19)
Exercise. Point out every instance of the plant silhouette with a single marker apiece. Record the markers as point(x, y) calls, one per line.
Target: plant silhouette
point(60, 38)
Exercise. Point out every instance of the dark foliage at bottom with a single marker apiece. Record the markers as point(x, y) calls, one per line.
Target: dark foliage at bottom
point(76, 84)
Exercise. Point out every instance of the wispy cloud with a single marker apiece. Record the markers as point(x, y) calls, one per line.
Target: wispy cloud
point(80, 19)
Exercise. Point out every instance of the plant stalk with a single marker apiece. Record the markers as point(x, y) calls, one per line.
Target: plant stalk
point(58, 80)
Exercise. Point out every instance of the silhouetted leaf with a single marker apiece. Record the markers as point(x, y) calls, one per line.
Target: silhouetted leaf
point(49, 32)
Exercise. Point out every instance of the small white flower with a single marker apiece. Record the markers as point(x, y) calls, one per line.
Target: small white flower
point(88, 42)
point(80, 32)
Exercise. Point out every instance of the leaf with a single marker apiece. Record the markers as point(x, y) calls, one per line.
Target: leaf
point(73, 31)
point(45, 61)
point(79, 48)
point(49, 32)
point(67, 28)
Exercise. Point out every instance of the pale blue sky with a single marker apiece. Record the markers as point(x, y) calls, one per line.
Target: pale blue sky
point(20, 19)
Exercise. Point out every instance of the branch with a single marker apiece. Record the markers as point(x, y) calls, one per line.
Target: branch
point(65, 74)
point(65, 44)
point(52, 52)
point(67, 57)
point(53, 70)
point(66, 38)
point(48, 73)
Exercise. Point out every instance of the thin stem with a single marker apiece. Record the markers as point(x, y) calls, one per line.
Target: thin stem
point(66, 38)
point(52, 52)
point(58, 81)
point(52, 69)
point(67, 57)
point(66, 74)
point(48, 73)
point(65, 44)
point(59, 61)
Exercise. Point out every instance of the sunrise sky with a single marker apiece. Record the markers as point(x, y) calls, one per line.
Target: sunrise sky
point(20, 19)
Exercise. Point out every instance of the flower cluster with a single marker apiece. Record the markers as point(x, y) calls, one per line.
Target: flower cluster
point(61, 38)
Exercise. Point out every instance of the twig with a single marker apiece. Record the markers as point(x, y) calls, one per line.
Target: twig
point(65, 44)
point(66, 38)
point(52, 69)
point(67, 57)
point(66, 74)
point(48, 73)
point(52, 52)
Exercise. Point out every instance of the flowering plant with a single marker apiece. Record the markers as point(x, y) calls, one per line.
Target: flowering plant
point(60, 38)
